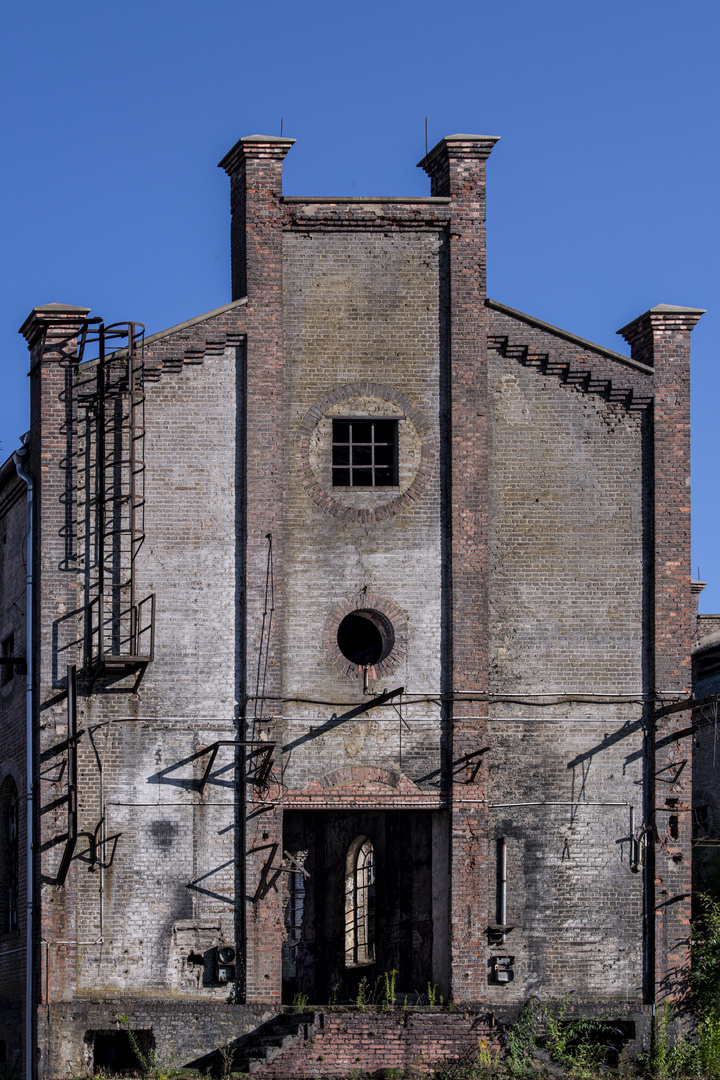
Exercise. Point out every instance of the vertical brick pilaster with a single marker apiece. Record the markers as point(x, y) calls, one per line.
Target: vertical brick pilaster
point(51, 334)
point(661, 338)
point(457, 170)
point(255, 169)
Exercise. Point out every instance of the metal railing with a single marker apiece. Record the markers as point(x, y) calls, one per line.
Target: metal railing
point(120, 636)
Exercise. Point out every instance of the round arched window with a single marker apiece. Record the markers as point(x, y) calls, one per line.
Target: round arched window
point(360, 903)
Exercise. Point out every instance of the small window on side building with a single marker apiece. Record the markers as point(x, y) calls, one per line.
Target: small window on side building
point(7, 650)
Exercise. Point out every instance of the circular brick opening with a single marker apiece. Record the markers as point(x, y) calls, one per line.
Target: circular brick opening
point(362, 627)
point(365, 637)
point(416, 451)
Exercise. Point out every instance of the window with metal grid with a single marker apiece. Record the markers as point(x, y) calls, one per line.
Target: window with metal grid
point(360, 904)
point(364, 453)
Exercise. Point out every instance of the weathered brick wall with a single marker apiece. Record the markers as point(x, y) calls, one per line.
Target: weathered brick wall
point(567, 537)
point(570, 886)
point(181, 1032)
point(361, 312)
point(13, 552)
point(369, 1042)
point(170, 889)
point(566, 618)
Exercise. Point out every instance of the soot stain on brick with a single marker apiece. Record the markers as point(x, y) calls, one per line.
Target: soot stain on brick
point(163, 833)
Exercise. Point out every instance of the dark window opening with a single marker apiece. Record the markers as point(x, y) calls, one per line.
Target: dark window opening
point(294, 911)
point(708, 663)
point(12, 864)
point(9, 857)
point(113, 1050)
point(7, 650)
point(700, 821)
point(364, 453)
point(365, 637)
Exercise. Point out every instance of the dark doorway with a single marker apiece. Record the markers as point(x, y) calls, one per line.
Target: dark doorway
point(358, 922)
point(113, 1051)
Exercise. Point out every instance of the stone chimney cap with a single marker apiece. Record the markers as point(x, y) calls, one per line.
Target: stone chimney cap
point(488, 140)
point(267, 138)
point(468, 138)
point(664, 309)
point(47, 312)
point(254, 140)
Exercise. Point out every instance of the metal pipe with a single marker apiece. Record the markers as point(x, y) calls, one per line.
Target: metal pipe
point(502, 883)
point(577, 802)
point(20, 458)
point(634, 846)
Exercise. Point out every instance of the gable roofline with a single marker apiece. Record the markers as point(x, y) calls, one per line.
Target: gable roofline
point(590, 346)
point(194, 321)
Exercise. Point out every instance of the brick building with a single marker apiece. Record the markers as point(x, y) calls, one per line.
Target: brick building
point(356, 607)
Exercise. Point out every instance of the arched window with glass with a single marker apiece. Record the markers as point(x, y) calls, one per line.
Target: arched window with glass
point(360, 903)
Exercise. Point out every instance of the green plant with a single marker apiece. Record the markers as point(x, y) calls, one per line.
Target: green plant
point(659, 1049)
point(147, 1060)
point(709, 1046)
point(520, 1040)
point(551, 1037)
point(300, 1002)
point(362, 997)
point(580, 1045)
point(227, 1056)
point(691, 1058)
point(474, 1067)
point(432, 995)
point(705, 956)
point(390, 977)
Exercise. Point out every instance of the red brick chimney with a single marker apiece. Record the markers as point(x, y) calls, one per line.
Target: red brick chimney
point(254, 166)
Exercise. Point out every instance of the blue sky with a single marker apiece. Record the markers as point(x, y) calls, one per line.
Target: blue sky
point(602, 194)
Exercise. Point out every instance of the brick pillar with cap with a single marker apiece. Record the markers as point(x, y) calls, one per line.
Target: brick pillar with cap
point(661, 338)
point(51, 332)
point(456, 167)
point(254, 166)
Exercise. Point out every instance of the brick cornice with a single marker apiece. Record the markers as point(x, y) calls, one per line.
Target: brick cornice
point(457, 146)
point(663, 318)
point(255, 146)
point(60, 315)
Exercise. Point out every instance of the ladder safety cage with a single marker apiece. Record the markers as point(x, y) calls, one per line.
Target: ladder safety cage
point(110, 409)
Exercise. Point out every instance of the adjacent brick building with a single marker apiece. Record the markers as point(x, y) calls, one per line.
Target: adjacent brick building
point(356, 607)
